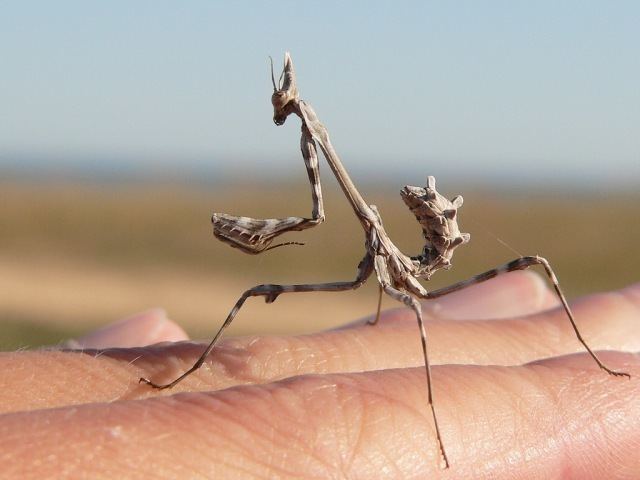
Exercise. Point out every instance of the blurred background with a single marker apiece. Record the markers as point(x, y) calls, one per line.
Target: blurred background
point(124, 125)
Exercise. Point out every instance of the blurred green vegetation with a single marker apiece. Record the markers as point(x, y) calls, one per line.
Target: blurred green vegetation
point(23, 332)
point(590, 237)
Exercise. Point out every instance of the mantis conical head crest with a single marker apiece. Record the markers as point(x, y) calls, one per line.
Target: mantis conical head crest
point(284, 92)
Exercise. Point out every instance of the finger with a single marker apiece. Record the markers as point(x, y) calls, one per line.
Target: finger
point(510, 295)
point(141, 329)
point(607, 321)
point(45, 379)
point(553, 419)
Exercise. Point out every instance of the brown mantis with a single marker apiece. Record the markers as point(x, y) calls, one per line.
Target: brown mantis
point(396, 273)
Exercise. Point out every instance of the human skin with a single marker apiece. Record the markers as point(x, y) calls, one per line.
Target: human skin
point(515, 395)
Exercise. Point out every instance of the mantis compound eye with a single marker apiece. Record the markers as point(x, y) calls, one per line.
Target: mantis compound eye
point(279, 100)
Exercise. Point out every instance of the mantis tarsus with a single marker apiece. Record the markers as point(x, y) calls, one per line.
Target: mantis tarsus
point(396, 273)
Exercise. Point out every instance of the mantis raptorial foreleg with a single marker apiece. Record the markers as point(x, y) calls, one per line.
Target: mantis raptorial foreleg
point(253, 235)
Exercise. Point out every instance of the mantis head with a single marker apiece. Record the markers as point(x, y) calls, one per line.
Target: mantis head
point(285, 93)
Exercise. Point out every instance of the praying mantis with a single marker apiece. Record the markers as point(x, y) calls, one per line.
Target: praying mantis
point(397, 274)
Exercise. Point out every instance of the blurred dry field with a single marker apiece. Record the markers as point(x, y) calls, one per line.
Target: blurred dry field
point(77, 255)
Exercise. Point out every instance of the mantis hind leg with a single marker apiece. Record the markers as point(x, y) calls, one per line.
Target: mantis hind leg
point(524, 263)
point(377, 317)
point(385, 282)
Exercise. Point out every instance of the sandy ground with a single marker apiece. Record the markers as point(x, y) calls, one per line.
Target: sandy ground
point(59, 242)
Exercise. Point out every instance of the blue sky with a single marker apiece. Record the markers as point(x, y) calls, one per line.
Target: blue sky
point(546, 91)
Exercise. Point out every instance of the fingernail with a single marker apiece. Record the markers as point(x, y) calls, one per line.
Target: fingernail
point(151, 326)
point(633, 291)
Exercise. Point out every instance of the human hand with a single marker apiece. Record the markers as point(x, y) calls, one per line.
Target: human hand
point(346, 403)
